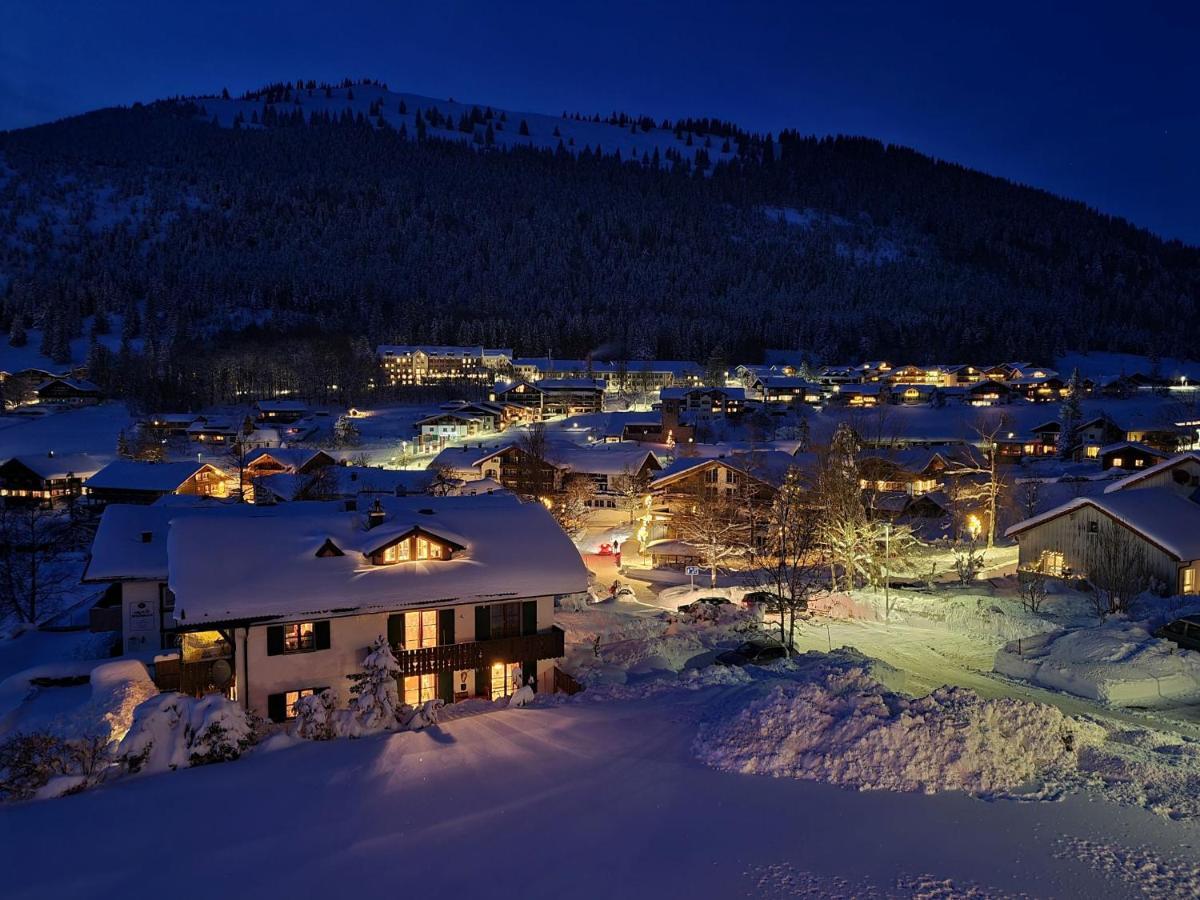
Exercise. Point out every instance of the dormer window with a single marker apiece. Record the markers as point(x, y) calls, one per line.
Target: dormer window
point(417, 544)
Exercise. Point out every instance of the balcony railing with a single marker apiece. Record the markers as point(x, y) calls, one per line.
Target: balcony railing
point(481, 654)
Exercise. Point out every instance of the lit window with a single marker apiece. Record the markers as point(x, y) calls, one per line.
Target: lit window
point(419, 688)
point(422, 548)
point(420, 629)
point(297, 637)
point(290, 699)
point(1118, 462)
point(1189, 581)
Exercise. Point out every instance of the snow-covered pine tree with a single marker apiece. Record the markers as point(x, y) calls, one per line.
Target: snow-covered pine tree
point(1070, 414)
point(375, 698)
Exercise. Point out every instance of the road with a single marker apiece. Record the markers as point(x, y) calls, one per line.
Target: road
point(930, 658)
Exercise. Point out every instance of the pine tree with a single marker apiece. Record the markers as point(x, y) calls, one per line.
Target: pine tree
point(375, 699)
point(1070, 415)
point(523, 130)
point(16, 334)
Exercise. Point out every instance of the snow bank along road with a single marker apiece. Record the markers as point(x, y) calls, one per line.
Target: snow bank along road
point(576, 799)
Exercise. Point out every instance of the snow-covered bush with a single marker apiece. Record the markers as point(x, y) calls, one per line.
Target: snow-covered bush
point(375, 702)
point(29, 762)
point(522, 696)
point(415, 718)
point(315, 720)
point(172, 731)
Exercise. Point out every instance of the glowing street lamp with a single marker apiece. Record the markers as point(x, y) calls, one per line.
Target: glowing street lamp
point(974, 526)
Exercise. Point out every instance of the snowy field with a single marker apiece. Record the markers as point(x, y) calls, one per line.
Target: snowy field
point(89, 429)
point(577, 799)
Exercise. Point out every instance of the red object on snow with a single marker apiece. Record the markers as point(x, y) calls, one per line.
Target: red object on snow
point(606, 550)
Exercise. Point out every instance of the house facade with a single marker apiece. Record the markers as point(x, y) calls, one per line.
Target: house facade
point(45, 479)
point(132, 481)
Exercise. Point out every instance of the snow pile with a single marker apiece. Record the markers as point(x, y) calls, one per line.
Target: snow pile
point(968, 612)
point(46, 698)
point(172, 731)
point(1151, 769)
point(845, 728)
point(1118, 662)
point(522, 696)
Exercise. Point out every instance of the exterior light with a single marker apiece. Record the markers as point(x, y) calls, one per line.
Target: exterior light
point(974, 526)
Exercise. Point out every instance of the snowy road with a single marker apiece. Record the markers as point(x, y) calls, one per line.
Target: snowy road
point(930, 658)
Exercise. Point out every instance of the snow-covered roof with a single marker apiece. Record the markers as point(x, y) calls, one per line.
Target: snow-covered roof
point(440, 350)
point(348, 481)
point(291, 457)
point(45, 466)
point(77, 384)
point(120, 552)
point(134, 475)
point(569, 384)
point(270, 567)
point(769, 466)
point(1133, 480)
point(1161, 515)
point(682, 393)
point(1131, 445)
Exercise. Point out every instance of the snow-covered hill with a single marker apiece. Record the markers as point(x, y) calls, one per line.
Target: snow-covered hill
point(544, 131)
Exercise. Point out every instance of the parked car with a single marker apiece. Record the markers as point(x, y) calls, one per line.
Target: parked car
point(757, 652)
point(1185, 632)
point(704, 604)
point(765, 598)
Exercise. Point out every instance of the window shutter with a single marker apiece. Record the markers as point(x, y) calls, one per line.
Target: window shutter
point(274, 640)
point(483, 683)
point(446, 686)
point(529, 617)
point(445, 626)
point(321, 635)
point(483, 623)
point(395, 635)
point(277, 707)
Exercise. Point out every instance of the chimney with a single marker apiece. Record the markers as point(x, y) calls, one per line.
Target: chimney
point(375, 515)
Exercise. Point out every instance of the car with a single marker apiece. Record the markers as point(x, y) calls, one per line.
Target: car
point(1185, 632)
point(624, 592)
point(704, 604)
point(765, 598)
point(757, 652)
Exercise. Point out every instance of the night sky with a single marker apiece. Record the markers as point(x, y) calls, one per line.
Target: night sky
point(1096, 101)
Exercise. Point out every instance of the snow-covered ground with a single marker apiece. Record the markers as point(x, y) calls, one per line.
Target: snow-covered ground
point(90, 429)
point(577, 799)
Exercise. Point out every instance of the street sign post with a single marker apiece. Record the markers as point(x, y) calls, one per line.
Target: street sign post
point(692, 572)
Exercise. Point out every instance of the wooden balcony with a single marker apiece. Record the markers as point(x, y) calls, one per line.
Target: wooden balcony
point(481, 654)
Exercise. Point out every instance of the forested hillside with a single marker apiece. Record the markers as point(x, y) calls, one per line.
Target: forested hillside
point(276, 248)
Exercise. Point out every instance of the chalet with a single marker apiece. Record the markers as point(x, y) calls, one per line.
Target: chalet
point(167, 425)
point(749, 478)
point(463, 588)
point(912, 375)
point(859, 395)
point(1129, 455)
point(652, 375)
point(131, 481)
point(68, 392)
point(788, 392)
point(512, 466)
point(912, 472)
point(1039, 389)
point(565, 397)
point(982, 393)
point(217, 429)
point(280, 412)
point(954, 376)
point(1089, 437)
point(874, 370)
point(1005, 371)
point(410, 365)
point(1180, 474)
point(292, 460)
point(453, 425)
point(830, 375)
point(916, 395)
point(1163, 524)
point(45, 479)
point(704, 404)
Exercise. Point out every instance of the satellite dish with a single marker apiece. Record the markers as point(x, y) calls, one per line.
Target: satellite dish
point(220, 672)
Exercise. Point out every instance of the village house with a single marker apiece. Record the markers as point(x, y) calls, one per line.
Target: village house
point(1156, 509)
point(860, 395)
point(217, 429)
point(132, 481)
point(703, 404)
point(982, 393)
point(280, 412)
point(167, 424)
point(565, 397)
point(408, 365)
point(68, 392)
point(46, 478)
point(1129, 455)
point(463, 588)
point(442, 428)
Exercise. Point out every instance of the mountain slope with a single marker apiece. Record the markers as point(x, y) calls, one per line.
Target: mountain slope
point(251, 257)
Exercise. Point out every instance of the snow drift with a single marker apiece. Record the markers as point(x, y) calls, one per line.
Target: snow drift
point(1118, 662)
point(845, 728)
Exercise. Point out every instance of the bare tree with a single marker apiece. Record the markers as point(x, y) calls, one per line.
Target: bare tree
point(33, 570)
point(631, 488)
point(791, 566)
point(320, 483)
point(980, 486)
point(839, 493)
point(1026, 497)
point(1118, 568)
point(569, 506)
point(535, 474)
point(716, 529)
point(1032, 587)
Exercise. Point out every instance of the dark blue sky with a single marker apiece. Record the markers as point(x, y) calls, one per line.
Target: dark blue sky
point(1096, 101)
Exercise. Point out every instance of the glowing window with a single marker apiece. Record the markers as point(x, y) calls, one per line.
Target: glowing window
point(420, 629)
point(419, 688)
